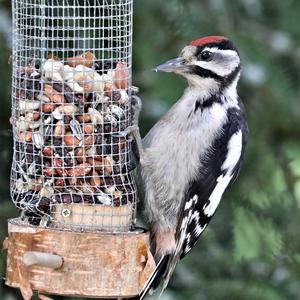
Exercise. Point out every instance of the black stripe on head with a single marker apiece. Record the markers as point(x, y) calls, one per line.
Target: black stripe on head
point(227, 80)
point(205, 73)
point(196, 70)
point(223, 45)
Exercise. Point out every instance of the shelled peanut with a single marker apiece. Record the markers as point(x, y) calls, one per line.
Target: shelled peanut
point(65, 120)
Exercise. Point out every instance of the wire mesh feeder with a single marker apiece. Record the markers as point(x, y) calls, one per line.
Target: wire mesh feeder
point(71, 96)
point(71, 100)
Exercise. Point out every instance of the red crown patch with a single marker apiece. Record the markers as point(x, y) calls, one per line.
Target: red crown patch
point(208, 40)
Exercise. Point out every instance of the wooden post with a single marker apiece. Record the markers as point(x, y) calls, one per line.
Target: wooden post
point(86, 264)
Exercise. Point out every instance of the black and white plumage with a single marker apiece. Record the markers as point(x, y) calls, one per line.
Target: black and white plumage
point(193, 153)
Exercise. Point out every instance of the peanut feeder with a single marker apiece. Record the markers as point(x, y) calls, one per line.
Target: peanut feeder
point(71, 177)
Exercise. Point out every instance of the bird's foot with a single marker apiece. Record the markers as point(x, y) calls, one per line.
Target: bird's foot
point(136, 106)
point(129, 132)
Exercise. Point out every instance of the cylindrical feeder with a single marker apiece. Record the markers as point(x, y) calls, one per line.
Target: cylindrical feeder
point(71, 179)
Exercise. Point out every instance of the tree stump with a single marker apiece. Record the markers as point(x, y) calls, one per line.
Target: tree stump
point(86, 264)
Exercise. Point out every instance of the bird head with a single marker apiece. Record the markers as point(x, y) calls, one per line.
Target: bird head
point(210, 62)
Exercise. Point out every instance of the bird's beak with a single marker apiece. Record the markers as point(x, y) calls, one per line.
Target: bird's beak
point(176, 65)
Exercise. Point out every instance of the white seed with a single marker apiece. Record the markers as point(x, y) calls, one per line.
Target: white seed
point(91, 151)
point(108, 164)
point(124, 97)
point(88, 76)
point(34, 74)
point(31, 168)
point(20, 185)
point(104, 199)
point(100, 98)
point(73, 191)
point(76, 129)
point(96, 116)
point(75, 87)
point(112, 120)
point(116, 110)
point(68, 73)
point(52, 65)
point(46, 191)
point(59, 129)
point(68, 109)
point(82, 68)
point(43, 98)
point(84, 80)
point(89, 71)
point(29, 117)
point(110, 189)
point(72, 153)
point(44, 223)
point(98, 86)
point(34, 125)
point(93, 77)
point(49, 182)
point(47, 133)
point(97, 77)
point(22, 124)
point(118, 194)
point(28, 105)
point(38, 140)
point(56, 114)
point(48, 120)
point(55, 77)
point(109, 76)
point(52, 69)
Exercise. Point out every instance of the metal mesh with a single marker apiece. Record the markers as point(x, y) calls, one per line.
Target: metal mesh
point(70, 99)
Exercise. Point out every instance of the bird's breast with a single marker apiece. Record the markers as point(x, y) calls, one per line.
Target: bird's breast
point(174, 155)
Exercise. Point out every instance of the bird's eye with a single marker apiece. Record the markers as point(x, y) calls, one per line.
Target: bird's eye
point(206, 55)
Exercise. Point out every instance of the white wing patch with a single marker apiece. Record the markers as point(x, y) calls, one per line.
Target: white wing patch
point(216, 195)
point(233, 155)
point(234, 151)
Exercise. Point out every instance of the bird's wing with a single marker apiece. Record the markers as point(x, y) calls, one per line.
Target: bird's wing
point(222, 168)
point(209, 192)
point(204, 197)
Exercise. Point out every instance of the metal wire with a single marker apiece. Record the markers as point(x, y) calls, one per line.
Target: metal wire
point(70, 102)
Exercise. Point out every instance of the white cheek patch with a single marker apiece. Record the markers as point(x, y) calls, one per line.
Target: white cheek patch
point(207, 85)
point(223, 64)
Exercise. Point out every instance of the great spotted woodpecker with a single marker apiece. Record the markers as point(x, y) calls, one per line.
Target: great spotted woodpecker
point(190, 156)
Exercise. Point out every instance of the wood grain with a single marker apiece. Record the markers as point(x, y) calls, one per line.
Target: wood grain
point(99, 265)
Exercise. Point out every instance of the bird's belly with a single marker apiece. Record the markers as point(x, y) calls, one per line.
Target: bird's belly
point(168, 167)
point(173, 160)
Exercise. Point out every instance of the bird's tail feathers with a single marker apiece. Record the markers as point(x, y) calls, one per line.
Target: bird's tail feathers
point(156, 277)
point(183, 227)
point(170, 267)
point(167, 263)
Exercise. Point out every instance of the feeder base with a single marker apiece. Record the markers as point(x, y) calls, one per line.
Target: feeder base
point(95, 265)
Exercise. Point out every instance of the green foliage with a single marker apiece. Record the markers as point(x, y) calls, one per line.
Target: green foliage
point(254, 238)
point(251, 249)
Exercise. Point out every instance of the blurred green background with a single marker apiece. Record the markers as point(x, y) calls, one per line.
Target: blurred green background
point(251, 250)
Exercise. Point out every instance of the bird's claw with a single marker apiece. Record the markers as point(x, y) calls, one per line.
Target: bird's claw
point(128, 132)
